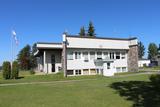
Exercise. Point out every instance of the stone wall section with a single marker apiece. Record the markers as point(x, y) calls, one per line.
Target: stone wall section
point(133, 58)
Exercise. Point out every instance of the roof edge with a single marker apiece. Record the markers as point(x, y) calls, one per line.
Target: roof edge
point(58, 43)
point(77, 36)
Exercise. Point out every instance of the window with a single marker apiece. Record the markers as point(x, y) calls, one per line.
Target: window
point(123, 55)
point(124, 69)
point(99, 55)
point(108, 65)
point(117, 55)
point(118, 69)
point(70, 56)
point(85, 55)
point(92, 55)
point(78, 72)
point(77, 55)
point(111, 55)
point(69, 72)
point(105, 54)
point(85, 71)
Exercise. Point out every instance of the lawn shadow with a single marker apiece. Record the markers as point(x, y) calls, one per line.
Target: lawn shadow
point(20, 77)
point(142, 93)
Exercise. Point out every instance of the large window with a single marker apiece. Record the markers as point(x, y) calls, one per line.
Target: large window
point(123, 55)
point(111, 55)
point(77, 55)
point(70, 56)
point(105, 54)
point(117, 55)
point(78, 72)
point(92, 55)
point(99, 55)
point(85, 55)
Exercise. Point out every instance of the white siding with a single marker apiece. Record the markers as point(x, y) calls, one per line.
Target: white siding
point(97, 43)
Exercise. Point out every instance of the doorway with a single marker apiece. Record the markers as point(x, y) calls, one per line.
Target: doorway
point(53, 62)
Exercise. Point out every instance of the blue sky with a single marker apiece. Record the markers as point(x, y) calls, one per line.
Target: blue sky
point(46, 20)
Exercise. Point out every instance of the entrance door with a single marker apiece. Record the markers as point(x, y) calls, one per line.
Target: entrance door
point(108, 69)
point(53, 62)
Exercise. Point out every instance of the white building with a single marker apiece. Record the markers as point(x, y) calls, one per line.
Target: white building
point(88, 55)
point(143, 62)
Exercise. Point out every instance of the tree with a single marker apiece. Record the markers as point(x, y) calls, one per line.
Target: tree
point(6, 70)
point(82, 31)
point(91, 30)
point(15, 70)
point(24, 58)
point(141, 50)
point(152, 51)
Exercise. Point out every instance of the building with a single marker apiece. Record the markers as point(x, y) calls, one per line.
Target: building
point(143, 62)
point(88, 55)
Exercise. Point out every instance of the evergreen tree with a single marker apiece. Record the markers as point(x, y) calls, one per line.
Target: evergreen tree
point(6, 70)
point(152, 51)
point(91, 30)
point(15, 70)
point(141, 50)
point(24, 58)
point(82, 31)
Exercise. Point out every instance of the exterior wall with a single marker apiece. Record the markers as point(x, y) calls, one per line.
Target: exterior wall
point(90, 64)
point(141, 63)
point(89, 43)
point(133, 58)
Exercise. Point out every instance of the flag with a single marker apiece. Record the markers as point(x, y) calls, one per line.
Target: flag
point(15, 37)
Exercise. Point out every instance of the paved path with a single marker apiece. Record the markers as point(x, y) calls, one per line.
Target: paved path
point(49, 82)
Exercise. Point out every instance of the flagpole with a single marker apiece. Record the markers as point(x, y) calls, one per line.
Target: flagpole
point(11, 50)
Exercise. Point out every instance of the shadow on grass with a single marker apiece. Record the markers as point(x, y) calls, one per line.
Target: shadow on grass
point(143, 94)
point(20, 77)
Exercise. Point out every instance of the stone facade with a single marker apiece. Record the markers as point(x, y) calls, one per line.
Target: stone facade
point(133, 58)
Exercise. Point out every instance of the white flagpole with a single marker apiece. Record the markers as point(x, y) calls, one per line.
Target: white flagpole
point(11, 49)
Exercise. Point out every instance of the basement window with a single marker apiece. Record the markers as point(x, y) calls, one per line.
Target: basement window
point(78, 72)
point(69, 72)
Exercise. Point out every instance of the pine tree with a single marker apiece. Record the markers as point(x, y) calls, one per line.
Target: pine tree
point(15, 70)
point(91, 30)
point(82, 31)
point(152, 51)
point(24, 58)
point(141, 50)
point(6, 70)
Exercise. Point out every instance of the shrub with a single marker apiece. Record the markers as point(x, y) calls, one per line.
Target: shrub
point(15, 70)
point(155, 79)
point(6, 70)
point(32, 72)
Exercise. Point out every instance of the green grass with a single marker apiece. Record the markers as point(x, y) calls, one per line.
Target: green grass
point(88, 93)
point(151, 68)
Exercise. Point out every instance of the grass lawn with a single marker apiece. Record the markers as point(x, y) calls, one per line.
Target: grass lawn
point(99, 92)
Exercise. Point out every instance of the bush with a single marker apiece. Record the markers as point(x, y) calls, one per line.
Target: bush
point(6, 70)
point(15, 70)
point(155, 79)
point(32, 72)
